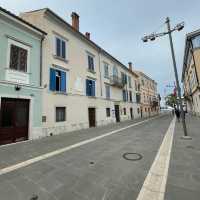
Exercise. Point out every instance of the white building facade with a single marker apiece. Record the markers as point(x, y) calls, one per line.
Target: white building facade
point(84, 86)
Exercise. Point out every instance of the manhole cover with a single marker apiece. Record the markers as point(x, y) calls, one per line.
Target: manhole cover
point(132, 156)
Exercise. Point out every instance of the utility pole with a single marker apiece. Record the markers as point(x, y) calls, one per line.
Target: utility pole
point(152, 37)
point(180, 102)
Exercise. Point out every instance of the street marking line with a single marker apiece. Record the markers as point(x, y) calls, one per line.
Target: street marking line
point(62, 150)
point(154, 185)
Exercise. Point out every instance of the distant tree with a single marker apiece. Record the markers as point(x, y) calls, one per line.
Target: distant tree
point(170, 100)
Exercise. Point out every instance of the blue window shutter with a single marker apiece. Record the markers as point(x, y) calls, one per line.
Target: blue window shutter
point(58, 47)
point(87, 87)
point(63, 81)
point(88, 62)
point(93, 88)
point(63, 49)
point(52, 85)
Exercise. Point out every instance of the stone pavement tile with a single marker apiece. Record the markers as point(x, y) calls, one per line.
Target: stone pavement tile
point(185, 182)
point(64, 193)
point(133, 180)
point(10, 176)
point(95, 177)
point(26, 189)
point(8, 192)
point(89, 189)
point(118, 192)
point(65, 178)
point(175, 193)
point(49, 183)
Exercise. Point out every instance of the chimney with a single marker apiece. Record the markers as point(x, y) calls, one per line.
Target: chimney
point(75, 21)
point(87, 34)
point(130, 66)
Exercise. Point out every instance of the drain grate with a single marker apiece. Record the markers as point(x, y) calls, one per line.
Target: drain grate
point(91, 163)
point(132, 156)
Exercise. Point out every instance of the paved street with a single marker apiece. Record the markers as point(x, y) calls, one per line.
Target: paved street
point(96, 170)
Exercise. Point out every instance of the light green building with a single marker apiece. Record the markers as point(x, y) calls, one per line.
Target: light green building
point(20, 79)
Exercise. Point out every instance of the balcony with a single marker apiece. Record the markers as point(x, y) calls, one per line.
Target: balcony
point(116, 81)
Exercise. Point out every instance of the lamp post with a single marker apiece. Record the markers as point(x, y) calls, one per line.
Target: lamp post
point(152, 37)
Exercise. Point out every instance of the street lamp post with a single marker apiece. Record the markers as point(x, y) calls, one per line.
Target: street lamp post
point(152, 37)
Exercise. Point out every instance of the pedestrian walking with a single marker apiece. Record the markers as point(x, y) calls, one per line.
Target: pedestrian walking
point(177, 112)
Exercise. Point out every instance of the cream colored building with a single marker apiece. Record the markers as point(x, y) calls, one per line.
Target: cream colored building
point(84, 85)
point(191, 72)
point(149, 96)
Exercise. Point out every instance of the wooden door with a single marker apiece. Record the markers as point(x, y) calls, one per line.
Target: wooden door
point(92, 117)
point(117, 115)
point(14, 120)
point(131, 113)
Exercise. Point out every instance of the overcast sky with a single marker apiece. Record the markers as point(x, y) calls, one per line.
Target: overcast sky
point(118, 26)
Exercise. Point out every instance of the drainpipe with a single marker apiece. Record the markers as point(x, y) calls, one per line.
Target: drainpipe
point(194, 63)
point(100, 72)
point(41, 60)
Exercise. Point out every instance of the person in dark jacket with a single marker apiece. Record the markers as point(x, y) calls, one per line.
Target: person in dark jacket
point(177, 112)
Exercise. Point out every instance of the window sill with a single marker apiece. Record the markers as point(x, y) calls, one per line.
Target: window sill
point(59, 93)
point(93, 97)
point(60, 58)
point(91, 71)
point(107, 77)
point(17, 71)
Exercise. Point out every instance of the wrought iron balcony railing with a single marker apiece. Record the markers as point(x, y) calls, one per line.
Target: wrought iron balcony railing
point(116, 81)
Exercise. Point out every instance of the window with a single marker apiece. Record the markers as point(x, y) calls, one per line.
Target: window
point(57, 80)
point(142, 82)
point(18, 58)
point(107, 87)
point(124, 78)
point(90, 87)
point(107, 112)
point(124, 111)
point(196, 42)
point(130, 96)
point(138, 98)
point(60, 48)
point(124, 95)
point(115, 71)
point(136, 86)
point(60, 114)
point(129, 82)
point(90, 63)
point(106, 70)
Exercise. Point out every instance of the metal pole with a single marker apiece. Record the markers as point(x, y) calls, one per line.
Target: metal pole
point(176, 77)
